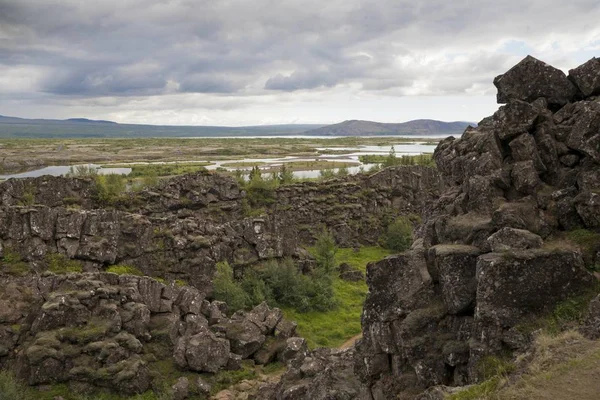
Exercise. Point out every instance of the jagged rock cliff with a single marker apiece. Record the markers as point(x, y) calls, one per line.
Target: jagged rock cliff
point(182, 229)
point(488, 258)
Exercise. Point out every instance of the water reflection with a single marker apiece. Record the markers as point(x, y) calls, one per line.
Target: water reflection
point(350, 154)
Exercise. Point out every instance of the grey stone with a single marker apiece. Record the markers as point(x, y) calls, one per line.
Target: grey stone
point(511, 238)
point(531, 79)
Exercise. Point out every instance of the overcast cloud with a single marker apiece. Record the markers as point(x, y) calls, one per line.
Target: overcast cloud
point(234, 62)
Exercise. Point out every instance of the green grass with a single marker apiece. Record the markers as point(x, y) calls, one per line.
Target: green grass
point(589, 243)
point(61, 264)
point(566, 313)
point(124, 270)
point(333, 328)
point(141, 170)
point(360, 259)
point(479, 391)
point(12, 264)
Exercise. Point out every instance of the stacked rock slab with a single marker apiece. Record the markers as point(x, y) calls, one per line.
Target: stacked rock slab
point(482, 266)
point(105, 330)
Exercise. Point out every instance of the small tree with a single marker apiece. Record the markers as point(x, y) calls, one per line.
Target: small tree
point(285, 175)
point(391, 158)
point(325, 251)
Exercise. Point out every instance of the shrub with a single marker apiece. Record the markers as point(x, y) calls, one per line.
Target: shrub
point(227, 289)
point(343, 171)
point(260, 191)
point(109, 187)
point(327, 173)
point(398, 236)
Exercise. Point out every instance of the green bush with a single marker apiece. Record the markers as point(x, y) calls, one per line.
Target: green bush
point(286, 286)
point(82, 171)
point(327, 173)
point(286, 175)
point(260, 191)
point(109, 187)
point(398, 236)
point(227, 289)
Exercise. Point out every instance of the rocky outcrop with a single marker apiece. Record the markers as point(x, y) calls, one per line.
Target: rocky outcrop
point(181, 230)
point(486, 260)
point(321, 374)
point(100, 329)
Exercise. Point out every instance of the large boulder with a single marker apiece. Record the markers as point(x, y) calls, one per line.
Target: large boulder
point(455, 267)
point(531, 79)
point(203, 352)
point(513, 285)
point(587, 77)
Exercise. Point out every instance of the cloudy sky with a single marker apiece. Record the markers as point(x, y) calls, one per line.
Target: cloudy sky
point(254, 62)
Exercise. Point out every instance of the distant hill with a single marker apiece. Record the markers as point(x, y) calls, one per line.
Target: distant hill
point(419, 127)
point(99, 121)
point(13, 127)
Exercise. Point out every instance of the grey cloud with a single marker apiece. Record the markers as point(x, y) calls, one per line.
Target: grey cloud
point(258, 48)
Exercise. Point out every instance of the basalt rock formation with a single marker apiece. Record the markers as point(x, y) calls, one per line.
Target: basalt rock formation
point(489, 257)
point(182, 229)
point(103, 330)
point(64, 319)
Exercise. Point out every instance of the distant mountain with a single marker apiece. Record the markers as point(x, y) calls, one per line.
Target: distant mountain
point(419, 127)
point(4, 120)
point(85, 120)
point(13, 127)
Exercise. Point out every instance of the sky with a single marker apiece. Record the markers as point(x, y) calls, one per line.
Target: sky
point(257, 62)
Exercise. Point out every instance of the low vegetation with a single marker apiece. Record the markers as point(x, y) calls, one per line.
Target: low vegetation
point(334, 327)
point(122, 269)
point(549, 370)
point(12, 264)
point(398, 236)
point(392, 160)
point(61, 264)
point(589, 244)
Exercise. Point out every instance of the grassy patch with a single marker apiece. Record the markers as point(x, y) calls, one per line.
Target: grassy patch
point(124, 270)
point(332, 328)
point(359, 259)
point(588, 243)
point(478, 392)
point(61, 264)
point(565, 314)
point(92, 331)
point(12, 264)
